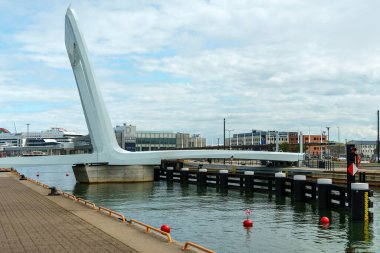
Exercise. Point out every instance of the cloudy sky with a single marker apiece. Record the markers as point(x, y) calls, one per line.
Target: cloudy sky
point(185, 65)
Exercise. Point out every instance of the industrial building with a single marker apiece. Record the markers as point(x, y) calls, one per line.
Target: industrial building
point(132, 140)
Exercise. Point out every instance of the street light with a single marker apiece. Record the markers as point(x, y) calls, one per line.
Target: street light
point(27, 134)
point(339, 139)
point(328, 141)
point(229, 136)
point(321, 148)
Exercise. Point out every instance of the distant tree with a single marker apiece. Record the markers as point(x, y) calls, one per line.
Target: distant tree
point(285, 147)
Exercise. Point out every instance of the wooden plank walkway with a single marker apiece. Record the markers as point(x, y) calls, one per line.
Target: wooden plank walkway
point(31, 221)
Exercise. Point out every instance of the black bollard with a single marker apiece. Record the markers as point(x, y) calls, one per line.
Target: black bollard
point(299, 187)
point(22, 177)
point(324, 193)
point(280, 183)
point(223, 179)
point(362, 177)
point(202, 177)
point(53, 191)
point(157, 173)
point(169, 174)
point(184, 175)
point(360, 202)
point(248, 181)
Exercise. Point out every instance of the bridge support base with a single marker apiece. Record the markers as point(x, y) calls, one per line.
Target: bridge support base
point(90, 174)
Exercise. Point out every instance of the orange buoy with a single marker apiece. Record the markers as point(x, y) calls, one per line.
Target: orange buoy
point(165, 228)
point(247, 223)
point(325, 220)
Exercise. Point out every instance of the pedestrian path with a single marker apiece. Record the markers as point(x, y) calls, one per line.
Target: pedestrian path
point(32, 222)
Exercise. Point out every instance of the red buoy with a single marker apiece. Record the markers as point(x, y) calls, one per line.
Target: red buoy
point(247, 223)
point(325, 220)
point(165, 228)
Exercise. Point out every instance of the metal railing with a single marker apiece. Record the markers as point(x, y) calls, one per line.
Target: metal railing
point(187, 244)
point(148, 228)
point(70, 196)
point(122, 217)
point(320, 164)
point(86, 203)
point(38, 183)
point(112, 213)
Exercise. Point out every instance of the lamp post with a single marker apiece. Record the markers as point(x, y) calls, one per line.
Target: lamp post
point(27, 134)
point(224, 133)
point(260, 141)
point(328, 141)
point(229, 136)
point(377, 143)
point(339, 140)
point(321, 148)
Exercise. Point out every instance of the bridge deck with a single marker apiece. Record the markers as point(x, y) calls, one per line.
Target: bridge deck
point(31, 221)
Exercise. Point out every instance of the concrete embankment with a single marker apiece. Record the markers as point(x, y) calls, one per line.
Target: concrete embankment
point(32, 221)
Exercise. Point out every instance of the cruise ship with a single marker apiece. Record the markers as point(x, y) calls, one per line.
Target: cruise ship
point(56, 139)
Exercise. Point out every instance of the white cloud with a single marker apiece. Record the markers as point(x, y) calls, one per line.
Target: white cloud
point(185, 65)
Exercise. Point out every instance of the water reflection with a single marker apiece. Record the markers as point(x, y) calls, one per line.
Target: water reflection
point(99, 192)
point(223, 192)
point(213, 217)
point(359, 236)
point(280, 202)
point(201, 191)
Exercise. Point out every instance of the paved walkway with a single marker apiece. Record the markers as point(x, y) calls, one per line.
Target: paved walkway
point(31, 221)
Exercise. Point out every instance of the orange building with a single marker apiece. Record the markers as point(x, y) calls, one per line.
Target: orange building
point(315, 145)
point(293, 138)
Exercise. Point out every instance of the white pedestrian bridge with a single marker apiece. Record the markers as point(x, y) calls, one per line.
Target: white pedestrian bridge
point(108, 162)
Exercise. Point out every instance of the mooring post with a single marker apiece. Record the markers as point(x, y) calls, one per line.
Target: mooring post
point(157, 173)
point(299, 187)
point(223, 179)
point(53, 191)
point(351, 159)
point(280, 183)
point(324, 193)
point(202, 177)
point(184, 175)
point(169, 174)
point(248, 181)
point(362, 177)
point(360, 202)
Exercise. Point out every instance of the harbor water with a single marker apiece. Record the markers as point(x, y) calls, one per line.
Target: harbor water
point(214, 218)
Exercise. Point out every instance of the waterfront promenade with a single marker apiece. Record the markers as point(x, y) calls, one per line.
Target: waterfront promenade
point(32, 221)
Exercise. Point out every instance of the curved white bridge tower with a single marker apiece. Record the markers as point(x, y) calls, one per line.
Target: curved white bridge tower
point(108, 162)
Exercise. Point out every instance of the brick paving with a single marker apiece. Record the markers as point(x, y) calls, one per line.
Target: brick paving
point(29, 222)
